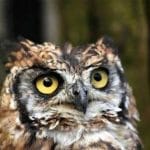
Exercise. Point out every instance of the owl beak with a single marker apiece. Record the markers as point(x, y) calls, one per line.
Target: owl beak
point(80, 94)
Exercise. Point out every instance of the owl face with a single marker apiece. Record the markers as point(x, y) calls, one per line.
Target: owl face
point(76, 98)
point(67, 84)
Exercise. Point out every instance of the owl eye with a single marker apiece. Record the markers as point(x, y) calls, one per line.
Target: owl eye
point(99, 78)
point(47, 84)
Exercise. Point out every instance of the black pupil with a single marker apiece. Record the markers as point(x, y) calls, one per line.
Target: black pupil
point(47, 82)
point(97, 76)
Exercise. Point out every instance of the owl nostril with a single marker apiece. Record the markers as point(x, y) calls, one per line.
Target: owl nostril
point(76, 93)
point(78, 88)
point(86, 92)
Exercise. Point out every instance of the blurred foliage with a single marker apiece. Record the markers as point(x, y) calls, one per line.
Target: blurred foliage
point(128, 23)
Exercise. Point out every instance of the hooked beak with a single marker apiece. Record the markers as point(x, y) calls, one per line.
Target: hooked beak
point(80, 94)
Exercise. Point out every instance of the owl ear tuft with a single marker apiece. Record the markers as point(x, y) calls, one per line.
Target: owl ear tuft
point(108, 43)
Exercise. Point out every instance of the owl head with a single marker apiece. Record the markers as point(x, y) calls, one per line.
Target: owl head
point(60, 88)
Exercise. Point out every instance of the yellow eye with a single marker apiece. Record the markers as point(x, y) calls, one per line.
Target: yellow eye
point(99, 78)
point(47, 84)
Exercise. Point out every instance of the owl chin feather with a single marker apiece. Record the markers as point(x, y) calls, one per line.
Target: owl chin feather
point(67, 98)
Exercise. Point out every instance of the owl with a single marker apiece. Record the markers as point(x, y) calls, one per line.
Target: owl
point(67, 98)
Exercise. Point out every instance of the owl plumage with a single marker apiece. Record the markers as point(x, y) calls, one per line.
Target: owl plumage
point(67, 98)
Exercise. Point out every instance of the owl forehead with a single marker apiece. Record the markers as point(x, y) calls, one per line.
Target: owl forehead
point(63, 58)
